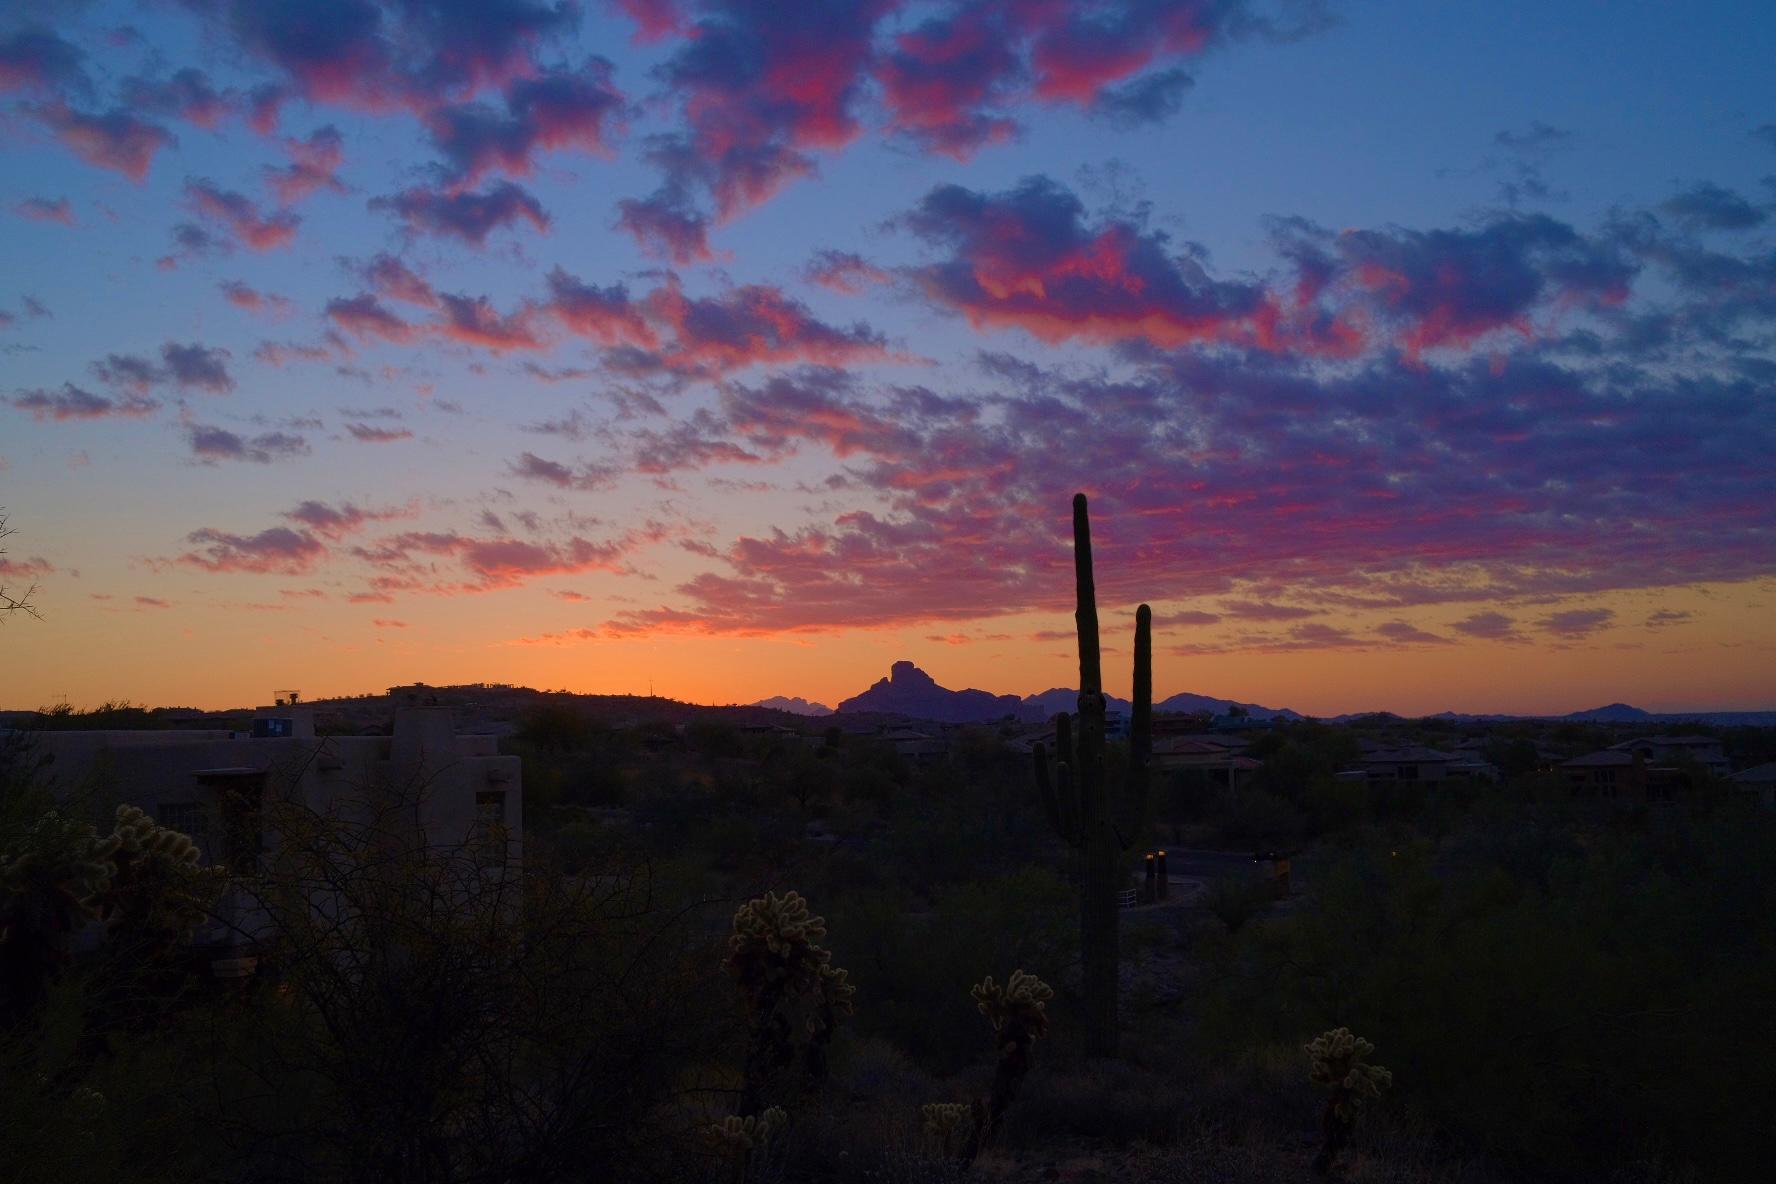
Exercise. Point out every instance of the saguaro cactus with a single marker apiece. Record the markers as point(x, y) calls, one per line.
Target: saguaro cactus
point(1077, 795)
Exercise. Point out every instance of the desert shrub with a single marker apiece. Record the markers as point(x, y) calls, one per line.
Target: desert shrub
point(1251, 815)
point(582, 845)
point(1235, 900)
point(915, 969)
point(1332, 805)
point(1571, 1008)
point(1103, 1101)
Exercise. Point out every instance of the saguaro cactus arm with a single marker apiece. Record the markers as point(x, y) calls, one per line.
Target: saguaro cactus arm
point(1133, 814)
point(1085, 612)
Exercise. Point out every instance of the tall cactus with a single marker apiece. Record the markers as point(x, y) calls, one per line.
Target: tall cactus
point(1077, 796)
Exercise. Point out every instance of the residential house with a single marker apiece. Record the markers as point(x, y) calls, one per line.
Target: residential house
point(1620, 777)
point(1222, 764)
point(1416, 764)
point(215, 786)
point(916, 747)
point(1665, 750)
point(1757, 784)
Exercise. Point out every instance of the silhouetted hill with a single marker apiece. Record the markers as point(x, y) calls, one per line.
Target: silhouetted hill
point(1052, 702)
point(908, 690)
point(1187, 703)
point(1614, 713)
point(795, 705)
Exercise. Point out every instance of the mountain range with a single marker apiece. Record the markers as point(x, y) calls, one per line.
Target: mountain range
point(910, 691)
point(794, 704)
point(1613, 713)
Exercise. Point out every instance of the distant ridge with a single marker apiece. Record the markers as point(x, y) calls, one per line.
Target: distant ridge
point(1052, 702)
point(1186, 703)
point(1612, 713)
point(795, 705)
point(910, 691)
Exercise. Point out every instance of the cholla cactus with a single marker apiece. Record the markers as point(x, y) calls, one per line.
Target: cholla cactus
point(949, 1126)
point(1018, 1012)
point(742, 1142)
point(1337, 1060)
point(740, 1137)
point(781, 969)
point(52, 881)
point(141, 878)
point(1023, 1000)
point(158, 888)
point(64, 854)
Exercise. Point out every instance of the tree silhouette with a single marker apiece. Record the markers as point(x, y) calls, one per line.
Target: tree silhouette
point(10, 603)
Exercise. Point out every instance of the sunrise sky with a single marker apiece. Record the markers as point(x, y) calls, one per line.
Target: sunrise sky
point(1414, 355)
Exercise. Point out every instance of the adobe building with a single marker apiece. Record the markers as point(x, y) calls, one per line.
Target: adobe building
point(215, 785)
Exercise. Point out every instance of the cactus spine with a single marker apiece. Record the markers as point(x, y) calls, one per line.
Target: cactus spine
point(1077, 798)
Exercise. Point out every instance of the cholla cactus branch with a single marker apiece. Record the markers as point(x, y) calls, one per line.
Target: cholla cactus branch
point(1018, 1011)
point(744, 1141)
point(142, 880)
point(1336, 1060)
point(781, 969)
point(740, 1136)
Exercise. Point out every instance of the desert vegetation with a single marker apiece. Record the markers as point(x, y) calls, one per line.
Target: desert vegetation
point(774, 955)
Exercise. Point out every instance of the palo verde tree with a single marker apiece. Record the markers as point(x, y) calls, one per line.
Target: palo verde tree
point(1077, 795)
point(13, 600)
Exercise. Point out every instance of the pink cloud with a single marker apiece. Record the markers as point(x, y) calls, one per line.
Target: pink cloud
point(844, 271)
point(254, 301)
point(470, 217)
point(115, 140)
point(243, 220)
point(44, 209)
point(75, 403)
point(370, 434)
point(314, 166)
point(279, 551)
point(365, 318)
point(474, 321)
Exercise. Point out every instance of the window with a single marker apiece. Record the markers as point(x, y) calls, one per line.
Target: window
point(1408, 773)
point(239, 795)
point(489, 836)
point(188, 818)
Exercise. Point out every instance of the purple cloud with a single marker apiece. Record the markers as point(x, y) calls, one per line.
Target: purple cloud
point(115, 140)
point(75, 403)
point(210, 444)
point(470, 217)
point(1578, 622)
point(44, 209)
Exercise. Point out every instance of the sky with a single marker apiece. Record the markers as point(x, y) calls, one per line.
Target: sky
point(1413, 355)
